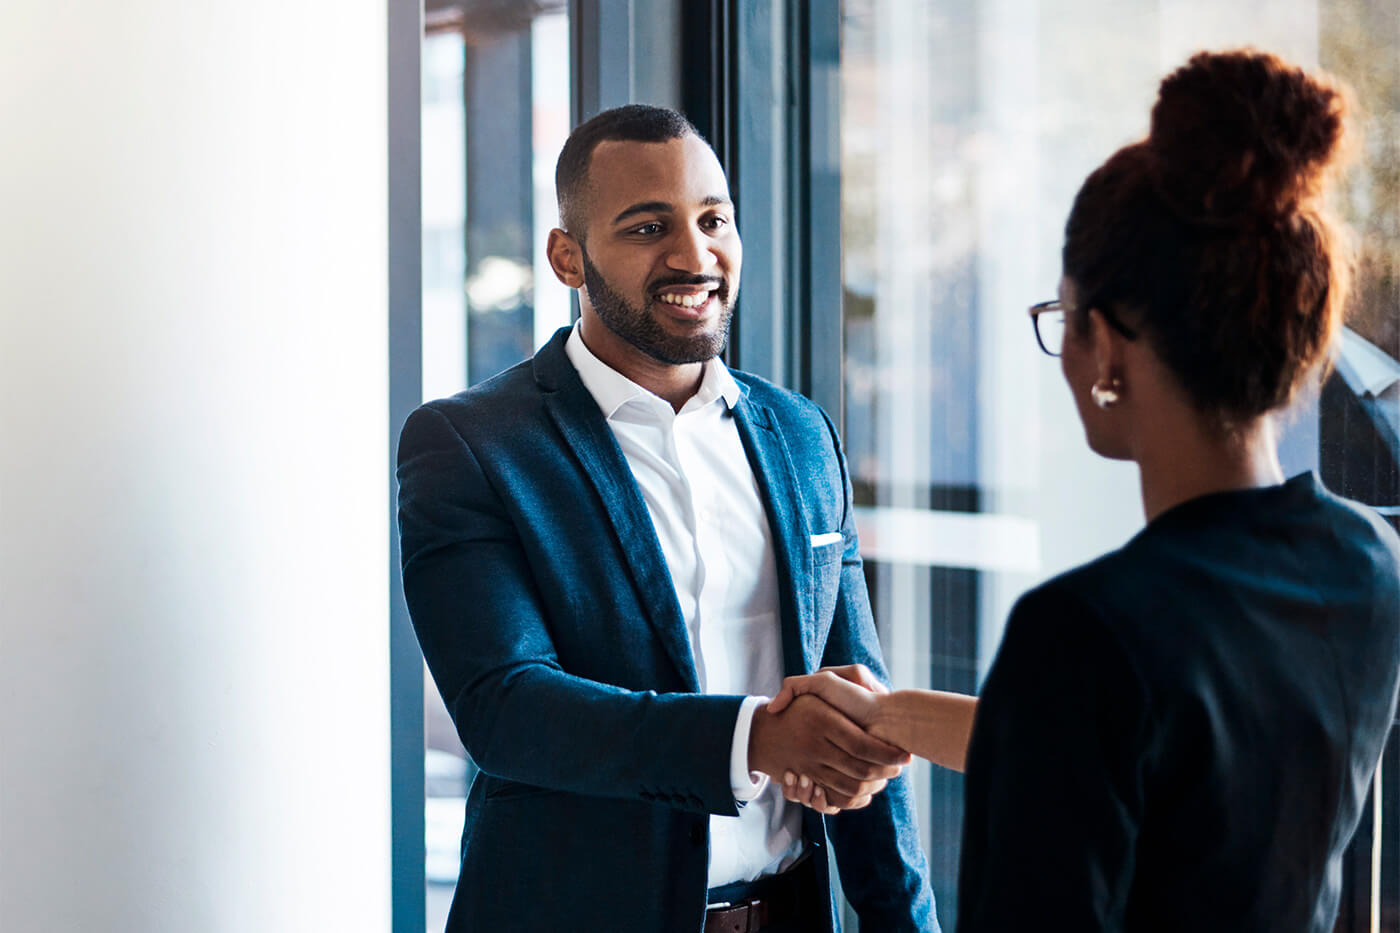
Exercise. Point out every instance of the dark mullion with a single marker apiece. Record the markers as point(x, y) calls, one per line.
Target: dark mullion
point(706, 64)
point(819, 306)
point(601, 64)
point(761, 191)
point(405, 324)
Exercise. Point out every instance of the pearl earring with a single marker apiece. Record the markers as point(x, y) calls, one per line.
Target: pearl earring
point(1106, 392)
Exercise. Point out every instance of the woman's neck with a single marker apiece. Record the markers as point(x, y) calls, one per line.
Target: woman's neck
point(1188, 457)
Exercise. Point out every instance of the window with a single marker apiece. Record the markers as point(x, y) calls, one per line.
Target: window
point(495, 115)
point(927, 151)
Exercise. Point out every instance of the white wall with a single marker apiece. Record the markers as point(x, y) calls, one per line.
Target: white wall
point(193, 466)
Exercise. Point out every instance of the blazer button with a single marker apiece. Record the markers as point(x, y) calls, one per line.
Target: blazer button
point(697, 833)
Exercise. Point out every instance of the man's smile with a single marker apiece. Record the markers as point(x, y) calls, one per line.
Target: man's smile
point(692, 300)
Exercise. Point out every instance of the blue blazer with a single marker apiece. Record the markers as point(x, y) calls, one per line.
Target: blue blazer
point(550, 624)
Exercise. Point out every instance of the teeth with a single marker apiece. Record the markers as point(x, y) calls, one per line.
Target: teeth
point(687, 301)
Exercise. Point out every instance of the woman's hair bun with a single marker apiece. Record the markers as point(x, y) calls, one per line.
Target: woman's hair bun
point(1243, 137)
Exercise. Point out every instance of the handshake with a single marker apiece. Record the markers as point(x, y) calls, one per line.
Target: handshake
point(835, 738)
point(816, 738)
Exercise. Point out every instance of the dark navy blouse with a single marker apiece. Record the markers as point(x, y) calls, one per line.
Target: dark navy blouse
point(1181, 734)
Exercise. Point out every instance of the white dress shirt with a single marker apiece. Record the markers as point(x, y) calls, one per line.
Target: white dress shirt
point(704, 502)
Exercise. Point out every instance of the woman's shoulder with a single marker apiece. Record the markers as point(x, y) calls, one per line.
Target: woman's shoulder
point(1078, 604)
point(1173, 591)
point(1361, 524)
point(1090, 588)
point(1109, 606)
point(1063, 640)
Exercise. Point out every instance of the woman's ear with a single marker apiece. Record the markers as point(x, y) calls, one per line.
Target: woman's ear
point(1108, 349)
point(565, 258)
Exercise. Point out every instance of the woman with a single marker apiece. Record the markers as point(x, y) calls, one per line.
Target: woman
point(1180, 734)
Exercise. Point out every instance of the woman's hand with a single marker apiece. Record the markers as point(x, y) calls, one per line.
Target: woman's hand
point(802, 789)
point(852, 689)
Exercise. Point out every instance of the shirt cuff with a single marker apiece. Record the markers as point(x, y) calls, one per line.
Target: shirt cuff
point(746, 784)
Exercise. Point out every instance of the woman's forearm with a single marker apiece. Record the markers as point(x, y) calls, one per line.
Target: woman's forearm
point(932, 724)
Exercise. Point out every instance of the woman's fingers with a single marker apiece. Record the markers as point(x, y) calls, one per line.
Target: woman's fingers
point(858, 704)
point(798, 788)
point(784, 697)
point(802, 789)
point(793, 687)
point(860, 675)
point(852, 689)
point(819, 802)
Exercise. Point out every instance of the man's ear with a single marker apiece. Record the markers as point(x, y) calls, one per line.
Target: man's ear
point(565, 258)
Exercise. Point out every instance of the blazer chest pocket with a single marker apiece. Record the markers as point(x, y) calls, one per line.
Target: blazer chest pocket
point(826, 576)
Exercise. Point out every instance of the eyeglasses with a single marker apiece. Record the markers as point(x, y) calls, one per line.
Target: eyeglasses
point(1048, 321)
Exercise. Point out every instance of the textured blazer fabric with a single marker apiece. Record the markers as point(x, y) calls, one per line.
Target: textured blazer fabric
point(550, 625)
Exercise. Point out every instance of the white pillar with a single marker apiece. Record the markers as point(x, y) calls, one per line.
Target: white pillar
point(193, 466)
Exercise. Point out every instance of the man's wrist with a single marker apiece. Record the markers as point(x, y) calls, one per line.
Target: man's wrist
point(746, 782)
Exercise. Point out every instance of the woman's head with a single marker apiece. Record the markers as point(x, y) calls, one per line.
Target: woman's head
point(1209, 239)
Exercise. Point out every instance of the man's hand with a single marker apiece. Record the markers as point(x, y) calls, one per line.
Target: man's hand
point(811, 738)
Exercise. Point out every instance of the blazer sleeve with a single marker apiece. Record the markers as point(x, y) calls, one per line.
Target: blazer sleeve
point(1054, 790)
point(484, 630)
point(883, 871)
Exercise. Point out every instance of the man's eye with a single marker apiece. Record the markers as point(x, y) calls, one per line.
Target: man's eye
point(716, 222)
point(651, 229)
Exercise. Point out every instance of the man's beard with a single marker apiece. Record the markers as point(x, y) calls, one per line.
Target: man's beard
point(640, 328)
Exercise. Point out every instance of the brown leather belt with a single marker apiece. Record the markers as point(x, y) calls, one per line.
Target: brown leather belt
point(739, 918)
point(771, 901)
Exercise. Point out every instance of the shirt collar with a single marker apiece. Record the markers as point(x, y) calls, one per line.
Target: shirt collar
point(611, 390)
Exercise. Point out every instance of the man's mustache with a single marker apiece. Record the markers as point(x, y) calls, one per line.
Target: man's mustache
point(720, 283)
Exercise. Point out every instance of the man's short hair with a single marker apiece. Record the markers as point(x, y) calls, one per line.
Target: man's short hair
point(640, 123)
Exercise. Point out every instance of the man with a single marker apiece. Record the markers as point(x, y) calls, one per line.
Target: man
point(612, 553)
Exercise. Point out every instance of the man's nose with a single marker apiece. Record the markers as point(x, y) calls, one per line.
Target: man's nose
point(692, 251)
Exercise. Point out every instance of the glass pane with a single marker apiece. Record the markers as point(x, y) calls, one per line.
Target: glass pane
point(966, 130)
point(1359, 409)
point(495, 115)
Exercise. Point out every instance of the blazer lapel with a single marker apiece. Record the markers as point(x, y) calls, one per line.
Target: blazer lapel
point(792, 543)
point(587, 434)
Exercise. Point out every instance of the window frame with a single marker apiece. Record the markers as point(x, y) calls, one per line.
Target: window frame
point(404, 105)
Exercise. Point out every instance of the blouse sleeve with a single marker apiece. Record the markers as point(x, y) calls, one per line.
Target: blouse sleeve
point(1054, 784)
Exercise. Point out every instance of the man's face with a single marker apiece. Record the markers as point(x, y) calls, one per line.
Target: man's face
point(661, 254)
